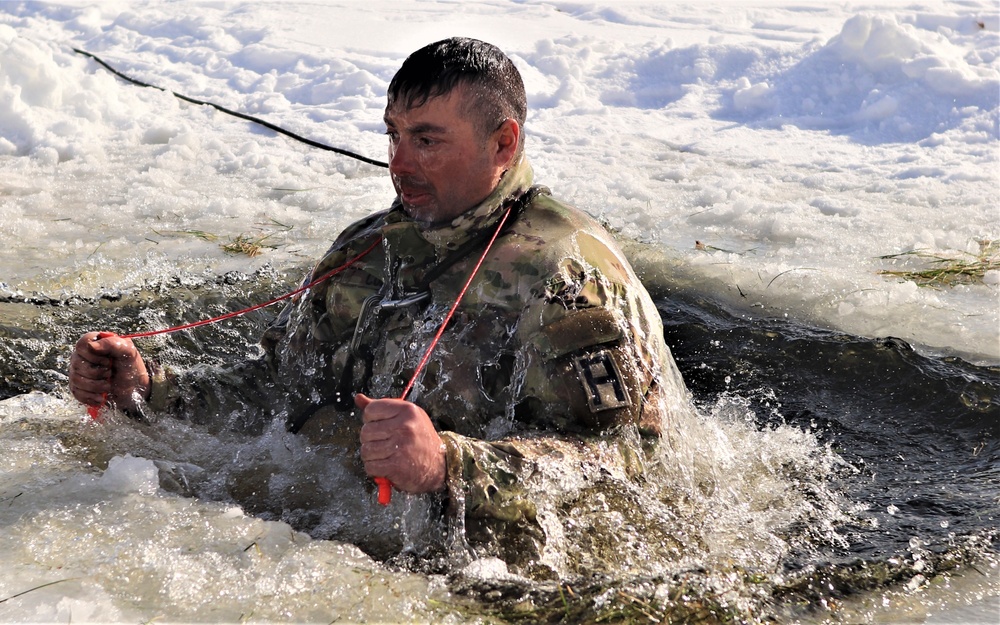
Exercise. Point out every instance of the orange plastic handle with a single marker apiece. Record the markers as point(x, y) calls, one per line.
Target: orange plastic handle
point(384, 490)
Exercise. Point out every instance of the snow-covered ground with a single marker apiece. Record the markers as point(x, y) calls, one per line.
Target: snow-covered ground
point(797, 142)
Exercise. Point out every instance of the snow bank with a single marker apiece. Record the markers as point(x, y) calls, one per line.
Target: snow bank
point(798, 144)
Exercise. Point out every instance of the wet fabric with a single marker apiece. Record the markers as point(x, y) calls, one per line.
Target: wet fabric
point(555, 347)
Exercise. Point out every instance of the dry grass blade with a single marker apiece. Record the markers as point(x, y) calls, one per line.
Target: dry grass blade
point(242, 243)
point(245, 244)
point(703, 247)
point(24, 592)
point(948, 270)
point(253, 245)
point(201, 234)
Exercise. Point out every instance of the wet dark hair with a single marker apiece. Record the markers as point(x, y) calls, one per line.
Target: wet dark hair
point(494, 85)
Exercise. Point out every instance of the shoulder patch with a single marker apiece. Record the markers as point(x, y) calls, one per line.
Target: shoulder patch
point(601, 380)
point(579, 329)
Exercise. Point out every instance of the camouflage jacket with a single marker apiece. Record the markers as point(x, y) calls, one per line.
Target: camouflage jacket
point(555, 344)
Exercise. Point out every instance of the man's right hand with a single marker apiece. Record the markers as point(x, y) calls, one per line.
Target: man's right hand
point(107, 367)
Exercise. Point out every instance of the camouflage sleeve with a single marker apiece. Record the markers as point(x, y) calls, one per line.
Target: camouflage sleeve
point(581, 393)
point(223, 397)
point(596, 373)
point(594, 349)
point(488, 478)
point(489, 500)
point(585, 375)
point(509, 499)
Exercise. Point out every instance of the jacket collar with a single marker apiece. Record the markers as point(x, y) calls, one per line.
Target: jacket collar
point(453, 234)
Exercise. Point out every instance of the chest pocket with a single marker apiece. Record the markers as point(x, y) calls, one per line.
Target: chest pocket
point(337, 309)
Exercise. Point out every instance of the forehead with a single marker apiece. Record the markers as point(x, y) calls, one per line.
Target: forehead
point(447, 110)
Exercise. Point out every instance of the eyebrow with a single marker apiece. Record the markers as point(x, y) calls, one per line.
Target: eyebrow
point(419, 128)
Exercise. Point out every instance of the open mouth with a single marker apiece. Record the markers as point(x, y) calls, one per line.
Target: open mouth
point(416, 196)
point(412, 194)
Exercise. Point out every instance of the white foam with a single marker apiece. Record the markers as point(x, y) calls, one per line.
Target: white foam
point(129, 474)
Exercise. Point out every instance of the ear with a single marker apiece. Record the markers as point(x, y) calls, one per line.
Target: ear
point(507, 137)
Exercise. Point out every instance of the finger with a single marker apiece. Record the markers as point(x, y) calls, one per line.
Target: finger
point(113, 346)
point(377, 450)
point(86, 339)
point(82, 368)
point(90, 338)
point(86, 394)
point(381, 468)
point(89, 399)
point(375, 431)
point(382, 409)
point(361, 400)
point(88, 351)
point(91, 384)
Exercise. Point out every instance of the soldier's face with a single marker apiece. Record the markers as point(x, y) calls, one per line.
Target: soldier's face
point(440, 165)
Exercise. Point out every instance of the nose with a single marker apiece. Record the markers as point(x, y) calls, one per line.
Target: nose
point(400, 159)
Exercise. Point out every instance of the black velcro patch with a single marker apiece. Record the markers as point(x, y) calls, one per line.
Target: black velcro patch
point(602, 381)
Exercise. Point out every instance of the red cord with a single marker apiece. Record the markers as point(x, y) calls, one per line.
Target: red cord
point(205, 322)
point(384, 485)
point(384, 490)
point(461, 294)
point(93, 411)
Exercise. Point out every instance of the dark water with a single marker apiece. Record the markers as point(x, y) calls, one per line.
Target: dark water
point(919, 435)
point(923, 432)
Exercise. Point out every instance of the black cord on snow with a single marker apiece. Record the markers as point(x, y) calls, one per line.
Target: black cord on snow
point(250, 118)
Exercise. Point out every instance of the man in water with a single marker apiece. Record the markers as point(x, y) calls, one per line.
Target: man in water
point(555, 349)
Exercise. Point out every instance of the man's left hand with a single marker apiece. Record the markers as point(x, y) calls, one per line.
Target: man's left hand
point(399, 442)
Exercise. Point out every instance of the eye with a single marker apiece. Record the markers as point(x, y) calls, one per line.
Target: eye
point(393, 135)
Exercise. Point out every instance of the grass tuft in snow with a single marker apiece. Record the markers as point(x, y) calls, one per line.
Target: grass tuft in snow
point(943, 270)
